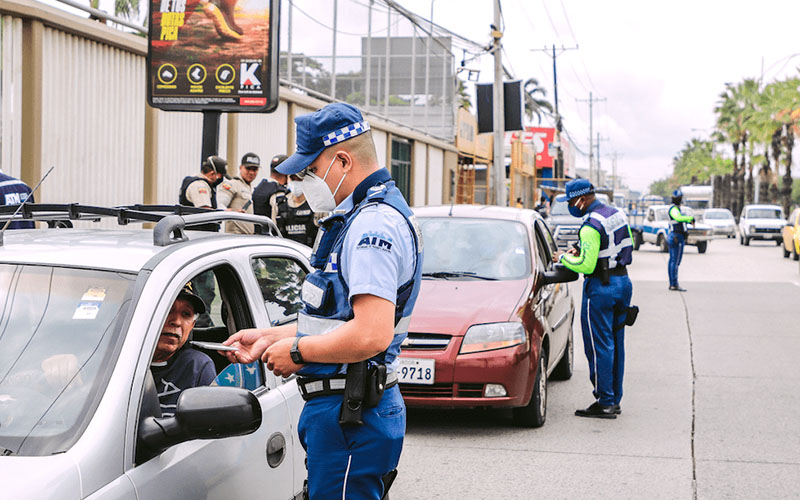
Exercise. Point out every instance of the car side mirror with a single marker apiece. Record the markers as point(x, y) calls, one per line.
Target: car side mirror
point(203, 413)
point(559, 274)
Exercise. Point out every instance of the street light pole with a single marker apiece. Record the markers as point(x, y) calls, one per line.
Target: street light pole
point(499, 162)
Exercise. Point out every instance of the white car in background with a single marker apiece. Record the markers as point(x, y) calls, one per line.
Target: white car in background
point(761, 222)
point(100, 298)
point(722, 222)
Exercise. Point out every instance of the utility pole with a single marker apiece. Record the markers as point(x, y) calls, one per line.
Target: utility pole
point(558, 170)
point(499, 163)
point(591, 101)
point(597, 145)
point(614, 157)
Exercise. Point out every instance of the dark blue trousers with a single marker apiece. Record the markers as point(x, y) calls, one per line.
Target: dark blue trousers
point(602, 322)
point(350, 461)
point(676, 242)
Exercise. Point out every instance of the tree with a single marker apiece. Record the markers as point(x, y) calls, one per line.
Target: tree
point(535, 105)
point(462, 95)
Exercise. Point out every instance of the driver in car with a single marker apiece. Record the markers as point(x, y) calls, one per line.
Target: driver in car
point(174, 367)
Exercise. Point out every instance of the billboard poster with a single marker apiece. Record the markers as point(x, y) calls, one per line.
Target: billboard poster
point(543, 139)
point(219, 55)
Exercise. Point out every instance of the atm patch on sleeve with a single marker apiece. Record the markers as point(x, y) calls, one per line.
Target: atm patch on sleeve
point(378, 241)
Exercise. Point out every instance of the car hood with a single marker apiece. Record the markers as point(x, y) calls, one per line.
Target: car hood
point(57, 476)
point(719, 222)
point(766, 222)
point(451, 307)
point(699, 226)
point(564, 220)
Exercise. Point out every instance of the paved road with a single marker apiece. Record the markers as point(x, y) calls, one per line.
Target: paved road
point(711, 407)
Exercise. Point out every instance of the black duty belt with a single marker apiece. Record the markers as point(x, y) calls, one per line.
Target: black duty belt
point(617, 271)
point(311, 388)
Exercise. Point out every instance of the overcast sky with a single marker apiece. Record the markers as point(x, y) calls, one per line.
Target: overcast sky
point(660, 65)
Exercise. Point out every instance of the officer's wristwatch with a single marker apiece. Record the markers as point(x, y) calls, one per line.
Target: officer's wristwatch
point(297, 358)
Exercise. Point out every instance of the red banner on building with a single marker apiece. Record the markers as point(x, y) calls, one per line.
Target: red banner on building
point(542, 139)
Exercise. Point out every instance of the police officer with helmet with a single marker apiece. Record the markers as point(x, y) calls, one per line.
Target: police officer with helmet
point(676, 239)
point(357, 307)
point(605, 252)
point(200, 191)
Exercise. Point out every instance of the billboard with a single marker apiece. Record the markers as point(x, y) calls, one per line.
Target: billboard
point(543, 139)
point(217, 55)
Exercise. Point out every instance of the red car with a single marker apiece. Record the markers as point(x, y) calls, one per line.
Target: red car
point(494, 316)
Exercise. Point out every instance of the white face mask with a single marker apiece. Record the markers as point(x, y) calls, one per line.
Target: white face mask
point(318, 194)
point(296, 187)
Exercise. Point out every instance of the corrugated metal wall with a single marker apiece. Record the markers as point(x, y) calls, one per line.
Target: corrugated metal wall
point(435, 171)
point(418, 164)
point(264, 135)
point(380, 137)
point(11, 94)
point(92, 121)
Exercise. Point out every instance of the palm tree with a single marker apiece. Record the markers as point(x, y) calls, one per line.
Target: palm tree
point(533, 104)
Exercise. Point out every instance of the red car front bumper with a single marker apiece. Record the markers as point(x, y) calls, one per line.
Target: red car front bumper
point(460, 379)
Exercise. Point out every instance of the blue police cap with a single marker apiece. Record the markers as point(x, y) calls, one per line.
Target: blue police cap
point(677, 193)
point(576, 188)
point(324, 127)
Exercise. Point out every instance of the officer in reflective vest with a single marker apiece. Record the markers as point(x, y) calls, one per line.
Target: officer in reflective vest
point(605, 252)
point(200, 191)
point(13, 192)
point(357, 307)
point(269, 187)
point(676, 239)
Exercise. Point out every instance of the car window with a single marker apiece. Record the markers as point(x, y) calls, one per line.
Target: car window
point(59, 329)
point(280, 280)
point(542, 251)
point(764, 213)
point(484, 248)
point(548, 237)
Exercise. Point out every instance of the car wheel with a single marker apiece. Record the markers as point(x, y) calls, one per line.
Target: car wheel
point(778, 243)
point(795, 255)
point(662, 243)
point(702, 246)
point(535, 412)
point(785, 252)
point(746, 241)
point(563, 369)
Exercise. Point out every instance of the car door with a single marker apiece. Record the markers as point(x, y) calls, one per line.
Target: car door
point(555, 295)
point(258, 465)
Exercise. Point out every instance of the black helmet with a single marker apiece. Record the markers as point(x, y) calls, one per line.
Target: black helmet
point(217, 164)
point(677, 197)
point(277, 160)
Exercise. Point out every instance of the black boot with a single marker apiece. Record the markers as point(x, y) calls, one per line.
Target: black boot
point(596, 410)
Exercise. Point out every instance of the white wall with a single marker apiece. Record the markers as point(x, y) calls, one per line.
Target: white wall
point(92, 122)
point(418, 165)
point(11, 96)
point(264, 135)
point(379, 137)
point(435, 169)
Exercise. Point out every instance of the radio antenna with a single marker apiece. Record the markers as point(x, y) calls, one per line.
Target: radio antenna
point(11, 219)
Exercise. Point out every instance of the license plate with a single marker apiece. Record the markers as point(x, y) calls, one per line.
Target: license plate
point(416, 371)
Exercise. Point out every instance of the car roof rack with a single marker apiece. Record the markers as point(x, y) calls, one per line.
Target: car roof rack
point(171, 220)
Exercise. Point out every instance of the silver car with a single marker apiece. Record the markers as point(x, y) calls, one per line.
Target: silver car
point(722, 222)
point(98, 298)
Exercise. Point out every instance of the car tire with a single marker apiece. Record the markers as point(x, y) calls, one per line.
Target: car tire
point(563, 370)
point(535, 412)
point(746, 241)
point(795, 255)
point(662, 243)
point(702, 246)
point(778, 243)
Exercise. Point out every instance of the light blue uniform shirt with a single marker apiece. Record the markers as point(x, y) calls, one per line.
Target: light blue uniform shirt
point(378, 252)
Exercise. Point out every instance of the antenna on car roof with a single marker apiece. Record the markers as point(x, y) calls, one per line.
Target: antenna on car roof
point(452, 202)
point(11, 219)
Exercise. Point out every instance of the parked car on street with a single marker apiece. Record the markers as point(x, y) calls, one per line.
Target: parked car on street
point(791, 235)
point(101, 296)
point(652, 226)
point(494, 316)
point(722, 222)
point(563, 225)
point(761, 222)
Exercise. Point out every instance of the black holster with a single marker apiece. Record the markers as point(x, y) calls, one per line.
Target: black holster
point(354, 392)
point(631, 313)
point(602, 265)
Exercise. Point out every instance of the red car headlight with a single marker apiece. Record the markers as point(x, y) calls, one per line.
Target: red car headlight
point(491, 336)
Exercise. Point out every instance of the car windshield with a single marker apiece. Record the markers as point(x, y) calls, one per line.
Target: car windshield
point(764, 213)
point(559, 208)
point(661, 214)
point(58, 331)
point(462, 248)
point(717, 214)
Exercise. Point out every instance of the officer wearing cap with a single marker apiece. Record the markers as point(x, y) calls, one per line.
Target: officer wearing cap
point(264, 192)
point(357, 306)
point(200, 191)
point(676, 239)
point(236, 193)
point(605, 252)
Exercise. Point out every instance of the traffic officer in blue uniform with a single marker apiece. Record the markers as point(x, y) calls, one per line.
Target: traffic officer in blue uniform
point(676, 239)
point(13, 192)
point(357, 307)
point(605, 252)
